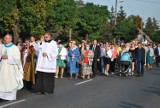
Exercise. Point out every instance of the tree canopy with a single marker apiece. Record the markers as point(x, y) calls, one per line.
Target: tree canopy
point(152, 29)
point(70, 19)
point(125, 30)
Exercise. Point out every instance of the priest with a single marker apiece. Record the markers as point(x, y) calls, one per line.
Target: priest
point(46, 65)
point(11, 72)
point(27, 56)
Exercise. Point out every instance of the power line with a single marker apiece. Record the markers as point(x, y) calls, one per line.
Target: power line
point(153, 2)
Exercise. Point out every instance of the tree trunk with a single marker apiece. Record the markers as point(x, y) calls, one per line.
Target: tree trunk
point(15, 25)
point(15, 33)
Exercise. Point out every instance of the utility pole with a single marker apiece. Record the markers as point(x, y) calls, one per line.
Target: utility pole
point(120, 1)
point(115, 20)
point(116, 13)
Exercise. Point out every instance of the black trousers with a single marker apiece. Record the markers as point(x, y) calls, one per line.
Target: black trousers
point(94, 66)
point(157, 60)
point(112, 65)
point(27, 85)
point(45, 82)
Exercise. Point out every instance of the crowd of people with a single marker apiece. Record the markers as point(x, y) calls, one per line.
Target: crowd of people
point(36, 63)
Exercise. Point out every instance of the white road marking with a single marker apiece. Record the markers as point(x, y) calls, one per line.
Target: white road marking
point(83, 82)
point(12, 103)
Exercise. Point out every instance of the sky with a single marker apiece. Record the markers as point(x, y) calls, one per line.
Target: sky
point(143, 8)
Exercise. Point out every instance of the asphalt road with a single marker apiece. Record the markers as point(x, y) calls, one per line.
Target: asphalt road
point(100, 92)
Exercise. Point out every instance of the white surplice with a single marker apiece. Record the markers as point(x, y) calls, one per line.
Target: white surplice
point(47, 64)
point(11, 73)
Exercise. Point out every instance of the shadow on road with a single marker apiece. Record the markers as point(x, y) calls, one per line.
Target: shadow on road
point(153, 90)
point(155, 73)
point(129, 105)
point(1, 100)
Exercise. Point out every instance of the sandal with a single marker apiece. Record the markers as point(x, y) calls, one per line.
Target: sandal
point(56, 77)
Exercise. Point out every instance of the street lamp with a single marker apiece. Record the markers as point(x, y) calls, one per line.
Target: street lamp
point(120, 1)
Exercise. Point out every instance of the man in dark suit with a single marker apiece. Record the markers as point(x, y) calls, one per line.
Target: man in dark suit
point(97, 53)
point(140, 59)
point(157, 54)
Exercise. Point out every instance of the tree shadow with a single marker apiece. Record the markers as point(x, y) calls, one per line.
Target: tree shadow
point(129, 105)
point(156, 69)
point(152, 90)
point(155, 73)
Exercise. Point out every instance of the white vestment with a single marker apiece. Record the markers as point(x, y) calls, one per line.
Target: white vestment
point(47, 64)
point(1, 45)
point(11, 73)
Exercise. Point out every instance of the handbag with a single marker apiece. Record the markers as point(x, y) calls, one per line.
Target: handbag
point(77, 63)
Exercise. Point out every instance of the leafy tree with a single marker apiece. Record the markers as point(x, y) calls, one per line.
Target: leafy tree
point(155, 24)
point(149, 27)
point(137, 20)
point(112, 16)
point(156, 37)
point(33, 16)
point(107, 34)
point(152, 29)
point(26, 17)
point(70, 17)
point(121, 15)
point(6, 6)
point(9, 17)
point(61, 17)
point(92, 20)
point(85, 20)
point(125, 30)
